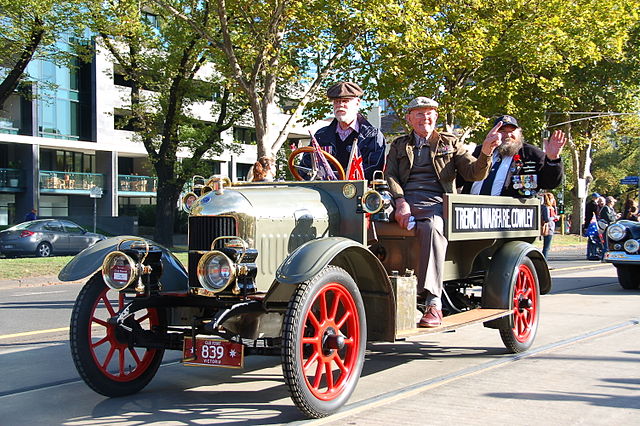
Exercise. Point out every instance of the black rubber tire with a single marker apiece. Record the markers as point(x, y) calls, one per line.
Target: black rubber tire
point(85, 355)
point(331, 284)
point(520, 338)
point(628, 276)
point(44, 250)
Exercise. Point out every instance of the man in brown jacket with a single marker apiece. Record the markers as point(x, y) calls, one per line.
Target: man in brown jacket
point(420, 168)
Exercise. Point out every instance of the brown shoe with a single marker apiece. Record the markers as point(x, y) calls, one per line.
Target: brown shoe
point(432, 318)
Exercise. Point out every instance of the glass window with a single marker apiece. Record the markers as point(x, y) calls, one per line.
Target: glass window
point(53, 227)
point(244, 135)
point(242, 170)
point(72, 228)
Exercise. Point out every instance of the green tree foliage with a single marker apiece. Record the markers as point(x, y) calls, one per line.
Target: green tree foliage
point(45, 29)
point(528, 59)
point(167, 68)
point(279, 52)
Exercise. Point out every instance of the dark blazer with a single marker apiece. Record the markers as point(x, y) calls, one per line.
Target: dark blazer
point(371, 145)
point(534, 161)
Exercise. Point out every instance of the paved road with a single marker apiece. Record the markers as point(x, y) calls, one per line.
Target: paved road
point(583, 368)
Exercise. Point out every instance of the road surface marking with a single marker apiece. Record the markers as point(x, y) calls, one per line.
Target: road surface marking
point(33, 333)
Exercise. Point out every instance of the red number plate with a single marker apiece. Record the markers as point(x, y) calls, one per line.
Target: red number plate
point(213, 353)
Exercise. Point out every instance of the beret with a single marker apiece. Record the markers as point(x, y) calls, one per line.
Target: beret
point(344, 89)
point(421, 102)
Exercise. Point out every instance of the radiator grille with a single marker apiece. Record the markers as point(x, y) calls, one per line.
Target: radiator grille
point(202, 231)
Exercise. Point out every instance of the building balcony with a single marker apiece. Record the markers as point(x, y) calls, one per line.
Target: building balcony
point(134, 185)
point(69, 182)
point(11, 180)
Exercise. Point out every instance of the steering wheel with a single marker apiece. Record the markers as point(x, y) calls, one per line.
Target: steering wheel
point(313, 171)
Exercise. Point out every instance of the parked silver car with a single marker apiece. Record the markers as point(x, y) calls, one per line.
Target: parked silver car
point(44, 237)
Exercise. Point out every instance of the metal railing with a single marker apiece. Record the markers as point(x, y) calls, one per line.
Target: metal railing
point(135, 183)
point(10, 178)
point(50, 180)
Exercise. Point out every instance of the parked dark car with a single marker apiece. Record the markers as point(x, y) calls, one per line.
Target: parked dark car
point(44, 237)
point(623, 243)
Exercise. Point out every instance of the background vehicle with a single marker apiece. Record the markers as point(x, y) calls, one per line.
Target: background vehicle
point(623, 244)
point(286, 265)
point(45, 237)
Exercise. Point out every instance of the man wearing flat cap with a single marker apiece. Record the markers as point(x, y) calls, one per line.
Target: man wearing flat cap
point(348, 126)
point(421, 167)
point(519, 169)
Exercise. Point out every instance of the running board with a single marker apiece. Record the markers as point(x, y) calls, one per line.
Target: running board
point(452, 322)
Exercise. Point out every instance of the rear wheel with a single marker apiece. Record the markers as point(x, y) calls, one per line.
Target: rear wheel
point(99, 350)
point(324, 339)
point(43, 250)
point(629, 276)
point(519, 333)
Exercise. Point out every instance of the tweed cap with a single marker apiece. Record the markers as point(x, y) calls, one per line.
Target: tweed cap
point(421, 102)
point(344, 89)
point(506, 120)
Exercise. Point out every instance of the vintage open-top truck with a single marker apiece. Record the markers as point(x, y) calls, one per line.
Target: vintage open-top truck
point(310, 269)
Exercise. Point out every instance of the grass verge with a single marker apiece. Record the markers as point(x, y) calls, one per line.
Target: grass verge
point(28, 267)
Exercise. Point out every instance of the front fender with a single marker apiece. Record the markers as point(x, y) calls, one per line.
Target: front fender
point(174, 275)
point(501, 276)
point(375, 287)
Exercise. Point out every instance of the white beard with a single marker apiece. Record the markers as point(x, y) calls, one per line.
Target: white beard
point(348, 117)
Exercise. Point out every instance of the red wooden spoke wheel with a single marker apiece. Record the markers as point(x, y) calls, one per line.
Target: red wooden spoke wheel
point(323, 342)
point(333, 161)
point(521, 332)
point(101, 351)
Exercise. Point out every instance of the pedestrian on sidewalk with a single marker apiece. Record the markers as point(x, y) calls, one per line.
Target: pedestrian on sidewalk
point(549, 218)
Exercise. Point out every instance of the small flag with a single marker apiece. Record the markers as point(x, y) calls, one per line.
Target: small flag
point(320, 163)
point(592, 229)
point(354, 169)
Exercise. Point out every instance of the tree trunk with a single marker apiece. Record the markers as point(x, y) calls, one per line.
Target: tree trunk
point(167, 199)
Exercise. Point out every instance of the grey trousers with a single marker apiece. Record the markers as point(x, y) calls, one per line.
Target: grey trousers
point(433, 247)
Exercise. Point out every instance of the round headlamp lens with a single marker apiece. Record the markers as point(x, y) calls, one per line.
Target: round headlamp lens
point(118, 270)
point(215, 271)
point(631, 246)
point(616, 232)
point(372, 202)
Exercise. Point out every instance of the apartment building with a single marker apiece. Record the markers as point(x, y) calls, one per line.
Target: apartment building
point(60, 137)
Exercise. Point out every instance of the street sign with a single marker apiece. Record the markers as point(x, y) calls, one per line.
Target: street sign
point(95, 192)
point(630, 180)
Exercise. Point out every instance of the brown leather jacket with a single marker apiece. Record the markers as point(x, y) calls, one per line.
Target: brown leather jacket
point(449, 158)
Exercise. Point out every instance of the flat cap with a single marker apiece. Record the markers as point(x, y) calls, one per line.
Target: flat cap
point(422, 102)
point(344, 89)
point(506, 120)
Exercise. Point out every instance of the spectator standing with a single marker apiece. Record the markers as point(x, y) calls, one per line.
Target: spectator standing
point(630, 210)
point(32, 215)
point(591, 208)
point(549, 218)
point(607, 212)
point(263, 170)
